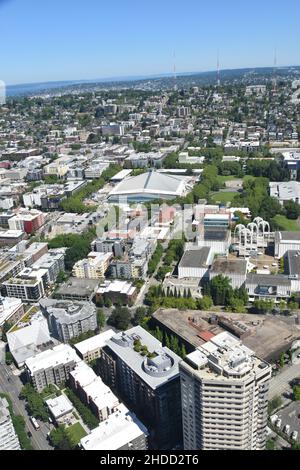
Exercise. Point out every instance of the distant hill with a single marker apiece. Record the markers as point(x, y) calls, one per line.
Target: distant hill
point(162, 81)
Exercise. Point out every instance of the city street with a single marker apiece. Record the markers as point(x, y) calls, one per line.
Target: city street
point(280, 383)
point(11, 385)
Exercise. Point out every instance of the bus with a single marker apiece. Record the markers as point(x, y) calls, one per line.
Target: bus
point(34, 422)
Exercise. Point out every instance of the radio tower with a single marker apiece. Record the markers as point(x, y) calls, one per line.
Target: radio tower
point(174, 73)
point(218, 70)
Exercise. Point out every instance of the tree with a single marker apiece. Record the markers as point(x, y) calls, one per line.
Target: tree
point(140, 314)
point(9, 358)
point(107, 303)
point(205, 303)
point(263, 306)
point(296, 393)
point(120, 318)
point(292, 209)
point(274, 404)
point(60, 439)
point(281, 359)
point(221, 290)
point(100, 318)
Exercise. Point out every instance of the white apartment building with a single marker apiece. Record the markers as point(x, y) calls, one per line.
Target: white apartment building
point(8, 438)
point(93, 267)
point(93, 391)
point(121, 431)
point(224, 391)
point(52, 366)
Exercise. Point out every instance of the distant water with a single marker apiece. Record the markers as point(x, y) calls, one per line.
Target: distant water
point(33, 88)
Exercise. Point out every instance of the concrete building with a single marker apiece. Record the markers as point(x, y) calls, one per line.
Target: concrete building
point(67, 319)
point(285, 241)
point(77, 289)
point(268, 287)
point(224, 389)
point(27, 221)
point(94, 267)
point(292, 269)
point(90, 349)
point(116, 291)
point(235, 270)
point(59, 408)
point(92, 391)
point(51, 367)
point(145, 374)
point(195, 263)
point(285, 191)
point(121, 431)
point(27, 340)
point(217, 238)
point(10, 310)
point(8, 438)
point(29, 285)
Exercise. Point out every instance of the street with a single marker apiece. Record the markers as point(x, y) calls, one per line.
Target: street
point(280, 383)
point(12, 388)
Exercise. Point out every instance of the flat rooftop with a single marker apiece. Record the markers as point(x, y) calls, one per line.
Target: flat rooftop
point(269, 334)
point(195, 258)
point(293, 261)
point(78, 287)
point(226, 266)
point(61, 354)
point(119, 429)
point(154, 371)
point(95, 342)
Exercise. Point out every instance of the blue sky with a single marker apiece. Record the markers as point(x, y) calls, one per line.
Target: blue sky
point(43, 40)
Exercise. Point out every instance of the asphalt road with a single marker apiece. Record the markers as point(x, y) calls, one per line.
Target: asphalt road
point(280, 383)
point(11, 385)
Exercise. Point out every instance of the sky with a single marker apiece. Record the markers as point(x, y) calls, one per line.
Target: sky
point(48, 40)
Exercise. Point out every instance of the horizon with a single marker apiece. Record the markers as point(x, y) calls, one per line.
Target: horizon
point(145, 77)
point(129, 39)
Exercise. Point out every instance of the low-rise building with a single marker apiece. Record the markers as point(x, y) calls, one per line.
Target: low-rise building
point(235, 270)
point(93, 392)
point(90, 349)
point(285, 241)
point(116, 291)
point(121, 431)
point(195, 263)
point(60, 408)
point(268, 287)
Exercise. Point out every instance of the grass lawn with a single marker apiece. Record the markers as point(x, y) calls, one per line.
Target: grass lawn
point(223, 197)
point(286, 224)
point(76, 432)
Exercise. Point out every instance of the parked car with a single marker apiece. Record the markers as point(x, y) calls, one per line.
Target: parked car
point(294, 435)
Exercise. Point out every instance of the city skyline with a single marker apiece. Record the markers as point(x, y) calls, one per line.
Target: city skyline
point(92, 41)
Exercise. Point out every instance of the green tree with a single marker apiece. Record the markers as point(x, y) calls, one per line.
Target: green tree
point(296, 393)
point(100, 318)
point(140, 314)
point(120, 318)
point(221, 290)
point(205, 303)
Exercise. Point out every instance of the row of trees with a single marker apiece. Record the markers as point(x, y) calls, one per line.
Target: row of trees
point(19, 425)
point(35, 404)
point(87, 416)
point(155, 259)
point(75, 202)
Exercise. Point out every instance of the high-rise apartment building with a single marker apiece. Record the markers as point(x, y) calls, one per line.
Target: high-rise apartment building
point(224, 393)
point(8, 438)
point(145, 374)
